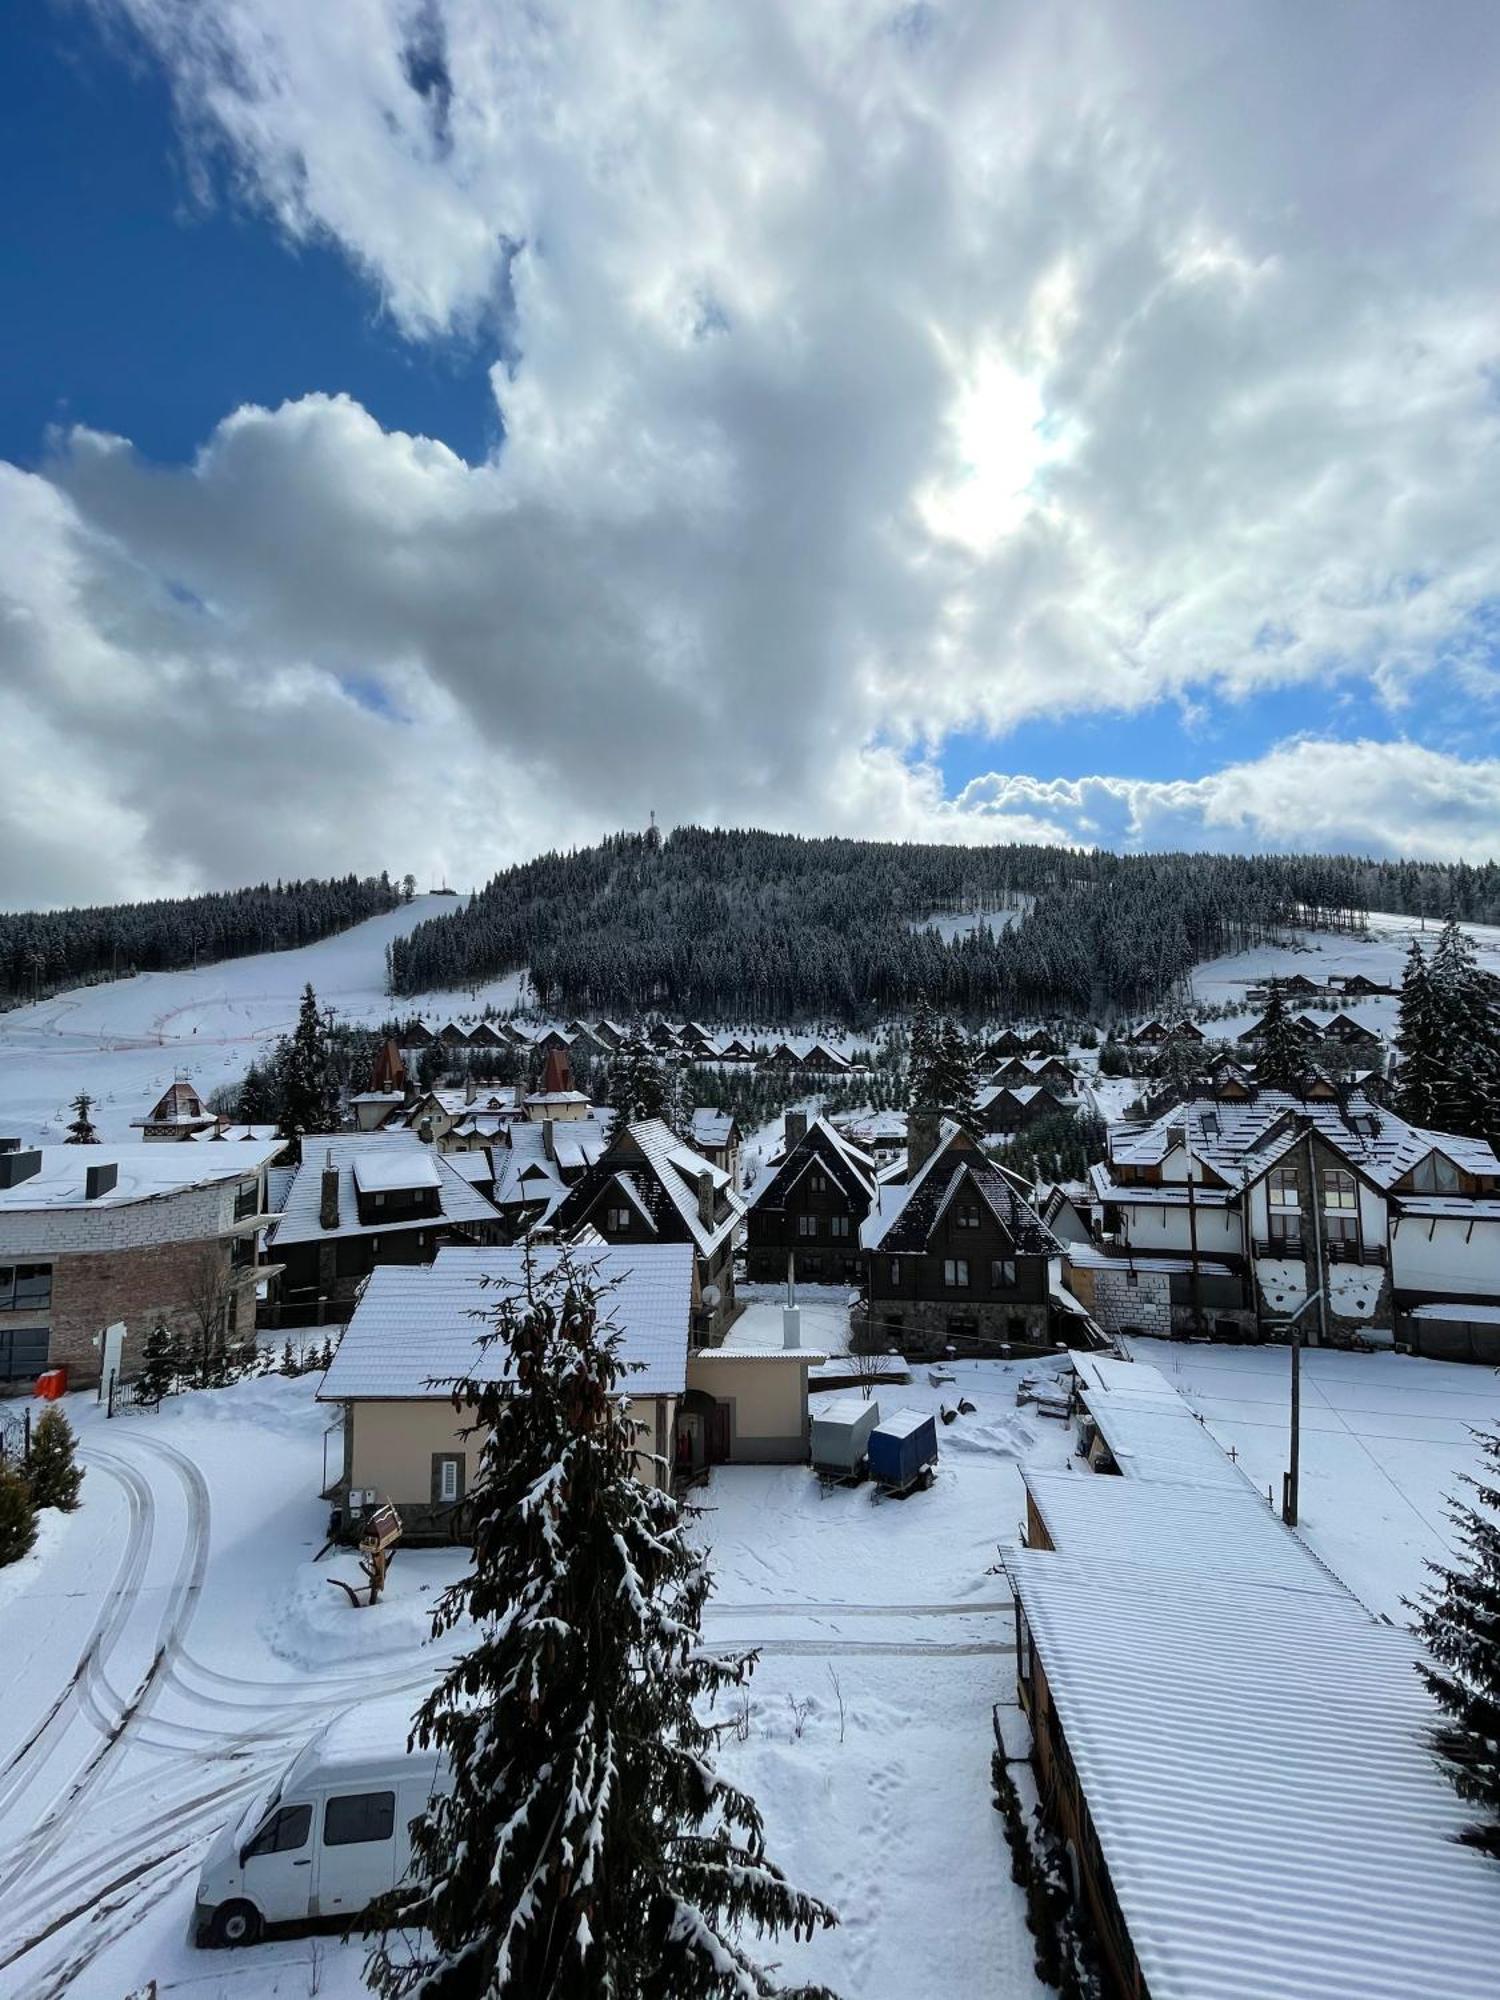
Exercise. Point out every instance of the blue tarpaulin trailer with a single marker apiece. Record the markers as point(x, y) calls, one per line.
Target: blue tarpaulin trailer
point(903, 1450)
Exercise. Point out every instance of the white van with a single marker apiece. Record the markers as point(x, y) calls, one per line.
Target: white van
point(330, 1835)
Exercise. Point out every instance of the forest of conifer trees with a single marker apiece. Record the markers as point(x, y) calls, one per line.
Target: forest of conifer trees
point(762, 926)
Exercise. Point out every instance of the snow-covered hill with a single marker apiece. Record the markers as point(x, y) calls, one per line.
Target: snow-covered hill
point(124, 1042)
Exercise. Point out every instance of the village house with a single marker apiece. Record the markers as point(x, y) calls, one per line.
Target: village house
point(1012, 1107)
point(1300, 1773)
point(557, 1099)
point(361, 1201)
point(716, 1135)
point(1031, 1072)
point(811, 1057)
point(649, 1186)
point(415, 1329)
point(956, 1256)
point(179, 1113)
point(143, 1234)
point(811, 1206)
point(1156, 1034)
point(1226, 1214)
point(534, 1164)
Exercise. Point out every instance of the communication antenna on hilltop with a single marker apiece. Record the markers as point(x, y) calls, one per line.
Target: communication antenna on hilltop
point(653, 832)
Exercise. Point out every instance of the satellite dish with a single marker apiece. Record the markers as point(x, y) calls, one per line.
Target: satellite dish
point(711, 1296)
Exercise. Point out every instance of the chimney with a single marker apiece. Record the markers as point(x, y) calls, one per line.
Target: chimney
point(796, 1128)
point(470, 1088)
point(791, 1326)
point(17, 1166)
point(557, 1072)
point(706, 1199)
point(99, 1180)
point(328, 1204)
point(549, 1138)
point(923, 1130)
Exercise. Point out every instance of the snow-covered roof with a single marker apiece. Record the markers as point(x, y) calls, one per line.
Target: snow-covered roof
point(676, 1170)
point(1241, 1140)
point(1090, 1257)
point(417, 1325)
point(902, 1423)
point(146, 1171)
point(387, 1169)
point(711, 1127)
point(1150, 1431)
point(1471, 1311)
point(1260, 1778)
point(1230, 1535)
point(904, 1227)
point(301, 1220)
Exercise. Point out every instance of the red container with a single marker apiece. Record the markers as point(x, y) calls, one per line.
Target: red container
point(52, 1383)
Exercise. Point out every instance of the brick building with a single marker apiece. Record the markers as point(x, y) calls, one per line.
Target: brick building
point(147, 1234)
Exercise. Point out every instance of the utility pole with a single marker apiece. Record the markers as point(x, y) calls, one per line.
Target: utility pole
point(1290, 1478)
point(1193, 1280)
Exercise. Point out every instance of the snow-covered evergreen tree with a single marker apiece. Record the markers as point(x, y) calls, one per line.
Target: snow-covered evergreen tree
point(1459, 1622)
point(17, 1514)
point(944, 1080)
point(159, 1360)
point(1283, 1053)
point(306, 1082)
point(81, 1132)
point(588, 1846)
point(53, 1469)
point(1459, 1063)
point(922, 1049)
point(637, 1087)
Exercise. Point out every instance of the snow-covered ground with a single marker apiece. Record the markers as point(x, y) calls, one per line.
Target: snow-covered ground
point(125, 1041)
point(1380, 955)
point(1384, 1440)
point(171, 1643)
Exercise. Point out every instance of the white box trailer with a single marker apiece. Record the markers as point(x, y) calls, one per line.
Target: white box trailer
point(327, 1836)
point(841, 1432)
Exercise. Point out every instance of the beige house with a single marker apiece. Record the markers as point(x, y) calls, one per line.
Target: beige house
point(415, 1329)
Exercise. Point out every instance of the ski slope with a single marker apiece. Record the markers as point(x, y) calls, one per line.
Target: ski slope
point(125, 1042)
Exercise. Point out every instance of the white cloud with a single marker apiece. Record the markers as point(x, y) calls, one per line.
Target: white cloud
point(866, 374)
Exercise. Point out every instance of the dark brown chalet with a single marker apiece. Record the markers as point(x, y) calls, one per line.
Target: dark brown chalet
point(957, 1257)
point(812, 1207)
point(648, 1186)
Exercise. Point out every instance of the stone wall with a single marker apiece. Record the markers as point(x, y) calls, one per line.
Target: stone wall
point(924, 1327)
point(1144, 1306)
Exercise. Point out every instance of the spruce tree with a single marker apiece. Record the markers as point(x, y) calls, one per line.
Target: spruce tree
point(920, 1052)
point(158, 1364)
point(1459, 1622)
point(637, 1086)
point(588, 1846)
point(944, 1081)
point(81, 1132)
point(1464, 1067)
point(306, 1082)
point(1282, 1053)
point(17, 1515)
point(53, 1469)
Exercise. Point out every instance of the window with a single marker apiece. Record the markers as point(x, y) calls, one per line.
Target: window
point(447, 1478)
point(617, 1218)
point(838, 1225)
point(25, 1287)
point(818, 1183)
point(966, 1217)
point(1003, 1274)
point(247, 1201)
point(1283, 1189)
point(895, 1273)
point(357, 1817)
point(1434, 1175)
point(955, 1272)
point(1340, 1205)
point(807, 1225)
point(23, 1352)
point(283, 1832)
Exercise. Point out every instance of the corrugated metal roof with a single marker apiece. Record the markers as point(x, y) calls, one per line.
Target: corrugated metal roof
point(417, 1326)
point(1258, 1772)
point(1150, 1431)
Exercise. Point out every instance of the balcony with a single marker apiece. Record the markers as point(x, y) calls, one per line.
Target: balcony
point(1333, 1253)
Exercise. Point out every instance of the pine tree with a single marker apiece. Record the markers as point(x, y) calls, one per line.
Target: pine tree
point(637, 1086)
point(921, 1050)
point(588, 1846)
point(81, 1132)
point(158, 1364)
point(1282, 1052)
point(1462, 1065)
point(305, 1077)
point(289, 1363)
point(17, 1515)
point(53, 1469)
point(1459, 1622)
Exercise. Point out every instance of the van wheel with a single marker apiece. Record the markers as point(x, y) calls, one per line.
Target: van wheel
point(235, 1924)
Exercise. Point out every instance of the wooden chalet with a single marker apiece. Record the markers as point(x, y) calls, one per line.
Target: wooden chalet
point(812, 1207)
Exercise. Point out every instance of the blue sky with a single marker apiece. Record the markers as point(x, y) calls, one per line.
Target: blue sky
point(1138, 477)
point(140, 307)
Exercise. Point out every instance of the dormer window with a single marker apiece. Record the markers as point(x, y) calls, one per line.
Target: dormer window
point(1435, 1175)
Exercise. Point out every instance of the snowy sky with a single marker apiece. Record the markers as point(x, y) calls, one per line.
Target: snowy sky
point(440, 428)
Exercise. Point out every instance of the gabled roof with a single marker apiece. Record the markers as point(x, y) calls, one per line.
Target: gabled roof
point(712, 1127)
point(904, 1227)
point(852, 1169)
point(664, 1170)
point(419, 1325)
point(301, 1220)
